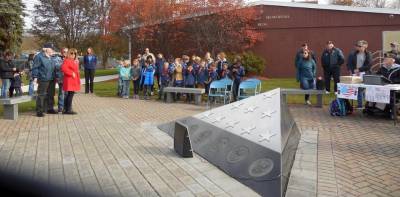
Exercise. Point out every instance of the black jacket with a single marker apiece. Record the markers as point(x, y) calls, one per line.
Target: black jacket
point(6, 69)
point(332, 59)
point(352, 62)
point(392, 74)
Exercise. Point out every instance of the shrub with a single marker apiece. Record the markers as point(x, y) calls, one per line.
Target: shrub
point(252, 63)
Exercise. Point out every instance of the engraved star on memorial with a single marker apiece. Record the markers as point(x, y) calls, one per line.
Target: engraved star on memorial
point(247, 130)
point(236, 106)
point(231, 124)
point(250, 109)
point(267, 114)
point(207, 115)
point(218, 119)
point(268, 96)
point(266, 137)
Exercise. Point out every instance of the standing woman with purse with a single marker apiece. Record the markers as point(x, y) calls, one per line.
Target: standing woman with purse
point(72, 82)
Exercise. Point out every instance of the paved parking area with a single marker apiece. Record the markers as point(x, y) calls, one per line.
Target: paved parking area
point(113, 148)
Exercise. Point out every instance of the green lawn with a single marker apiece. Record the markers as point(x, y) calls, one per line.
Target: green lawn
point(109, 89)
point(101, 72)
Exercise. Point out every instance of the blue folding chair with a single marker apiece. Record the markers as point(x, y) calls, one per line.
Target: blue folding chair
point(258, 82)
point(217, 89)
point(229, 84)
point(247, 89)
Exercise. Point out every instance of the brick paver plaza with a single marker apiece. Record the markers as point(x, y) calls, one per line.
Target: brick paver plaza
point(113, 147)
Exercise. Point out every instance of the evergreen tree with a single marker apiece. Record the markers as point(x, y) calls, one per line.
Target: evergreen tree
point(11, 24)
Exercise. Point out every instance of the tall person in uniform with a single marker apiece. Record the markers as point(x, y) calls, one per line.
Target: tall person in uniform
point(89, 63)
point(331, 60)
point(43, 74)
point(72, 82)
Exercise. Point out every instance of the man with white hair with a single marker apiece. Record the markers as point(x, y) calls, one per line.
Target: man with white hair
point(43, 73)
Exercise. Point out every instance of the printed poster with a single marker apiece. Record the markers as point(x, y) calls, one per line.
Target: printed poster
point(379, 94)
point(347, 91)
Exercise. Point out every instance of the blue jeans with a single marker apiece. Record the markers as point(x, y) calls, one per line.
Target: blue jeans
point(125, 87)
point(60, 96)
point(31, 88)
point(5, 86)
point(307, 84)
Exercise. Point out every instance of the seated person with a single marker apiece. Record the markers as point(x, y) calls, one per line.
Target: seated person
point(389, 69)
point(391, 72)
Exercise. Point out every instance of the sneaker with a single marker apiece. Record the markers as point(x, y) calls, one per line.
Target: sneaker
point(308, 102)
point(327, 92)
point(60, 110)
point(40, 114)
point(152, 94)
point(125, 97)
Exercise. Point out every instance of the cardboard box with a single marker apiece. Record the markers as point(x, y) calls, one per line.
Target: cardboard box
point(351, 79)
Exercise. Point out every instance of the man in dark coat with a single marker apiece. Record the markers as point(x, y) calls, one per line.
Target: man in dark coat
point(359, 60)
point(331, 60)
point(43, 72)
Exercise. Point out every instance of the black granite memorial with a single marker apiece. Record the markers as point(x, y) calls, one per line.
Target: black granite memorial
point(253, 140)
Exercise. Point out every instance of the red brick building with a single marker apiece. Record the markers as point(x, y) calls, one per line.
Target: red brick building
point(287, 25)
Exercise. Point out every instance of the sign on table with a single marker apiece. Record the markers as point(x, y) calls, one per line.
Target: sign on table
point(347, 91)
point(379, 94)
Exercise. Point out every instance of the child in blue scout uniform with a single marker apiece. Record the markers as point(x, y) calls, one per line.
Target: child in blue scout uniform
point(225, 73)
point(212, 76)
point(190, 79)
point(148, 77)
point(237, 72)
point(165, 78)
point(202, 75)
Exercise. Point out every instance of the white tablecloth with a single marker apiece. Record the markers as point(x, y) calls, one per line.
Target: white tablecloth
point(373, 93)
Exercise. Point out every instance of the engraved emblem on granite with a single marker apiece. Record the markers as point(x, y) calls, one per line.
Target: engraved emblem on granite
point(237, 154)
point(261, 167)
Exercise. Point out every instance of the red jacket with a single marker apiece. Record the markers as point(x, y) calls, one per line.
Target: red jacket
point(71, 83)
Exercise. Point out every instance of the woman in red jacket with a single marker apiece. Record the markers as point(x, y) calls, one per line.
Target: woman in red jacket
point(72, 82)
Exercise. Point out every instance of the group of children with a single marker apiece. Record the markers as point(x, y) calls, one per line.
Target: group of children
point(185, 72)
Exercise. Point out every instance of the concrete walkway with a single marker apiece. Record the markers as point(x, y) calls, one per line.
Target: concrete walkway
point(111, 147)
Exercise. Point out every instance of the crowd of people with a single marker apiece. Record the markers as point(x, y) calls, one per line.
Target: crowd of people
point(147, 70)
point(48, 69)
point(359, 62)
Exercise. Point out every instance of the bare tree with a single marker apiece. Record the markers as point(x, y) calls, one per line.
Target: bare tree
point(65, 22)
